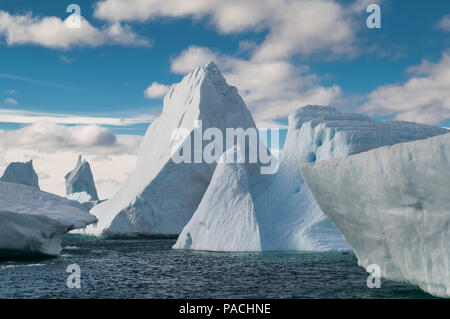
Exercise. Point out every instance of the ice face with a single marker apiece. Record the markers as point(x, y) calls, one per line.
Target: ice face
point(33, 222)
point(288, 218)
point(230, 226)
point(287, 214)
point(80, 180)
point(161, 196)
point(21, 173)
point(392, 206)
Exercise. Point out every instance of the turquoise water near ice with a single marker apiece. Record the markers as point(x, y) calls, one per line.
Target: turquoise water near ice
point(149, 268)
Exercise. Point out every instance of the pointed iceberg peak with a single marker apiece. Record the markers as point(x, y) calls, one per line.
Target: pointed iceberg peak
point(211, 66)
point(21, 173)
point(81, 180)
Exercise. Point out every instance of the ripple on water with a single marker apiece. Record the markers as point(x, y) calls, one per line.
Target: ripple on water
point(151, 269)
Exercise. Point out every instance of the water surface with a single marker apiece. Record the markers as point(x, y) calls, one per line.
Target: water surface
point(151, 269)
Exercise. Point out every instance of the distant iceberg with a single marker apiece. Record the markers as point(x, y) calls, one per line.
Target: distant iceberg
point(33, 222)
point(21, 173)
point(392, 206)
point(81, 180)
point(287, 216)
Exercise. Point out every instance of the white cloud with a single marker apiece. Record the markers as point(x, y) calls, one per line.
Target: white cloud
point(26, 117)
point(424, 98)
point(9, 92)
point(52, 32)
point(303, 26)
point(191, 58)
point(444, 23)
point(54, 150)
point(10, 101)
point(45, 136)
point(156, 90)
point(271, 89)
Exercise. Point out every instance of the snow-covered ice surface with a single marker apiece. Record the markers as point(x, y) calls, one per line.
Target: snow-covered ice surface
point(21, 173)
point(160, 196)
point(228, 227)
point(287, 216)
point(81, 197)
point(80, 180)
point(33, 222)
point(392, 205)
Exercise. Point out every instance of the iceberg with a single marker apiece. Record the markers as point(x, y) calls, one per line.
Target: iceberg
point(231, 226)
point(392, 206)
point(33, 223)
point(161, 195)
point(81, 180)
point(287, 215)
point(21, 173)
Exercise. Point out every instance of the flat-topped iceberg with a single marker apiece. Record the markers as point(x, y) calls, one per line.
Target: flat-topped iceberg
point(392, 206)
point(33, 222)
point(288, 218)
point(21, 173)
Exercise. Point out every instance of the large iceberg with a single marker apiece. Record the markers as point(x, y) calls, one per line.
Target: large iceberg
point(161, 195)
point(287, 216)
point(234, 221)
point(33, 222)
point(21, 173)
point(81, 180)
point(392, 206)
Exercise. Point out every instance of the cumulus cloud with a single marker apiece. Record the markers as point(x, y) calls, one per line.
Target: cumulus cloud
point(10, 101)
point(191, 58)
point(424, 98)
point(444, 23)
point(52, 32)
point(271, 89)
point(156, 90)
point(54, 150)
point(303, 26)
point(50, 137)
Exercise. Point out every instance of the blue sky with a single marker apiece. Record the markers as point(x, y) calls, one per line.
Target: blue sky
point(94, 90)
point(109, 80)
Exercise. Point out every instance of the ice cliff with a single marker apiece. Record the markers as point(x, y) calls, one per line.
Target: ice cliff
point(33, 222)
point(392, 206)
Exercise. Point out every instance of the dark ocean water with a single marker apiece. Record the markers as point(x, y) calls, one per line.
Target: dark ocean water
point(151, 269)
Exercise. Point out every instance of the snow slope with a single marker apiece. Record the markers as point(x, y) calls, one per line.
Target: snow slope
point(80, 180)
point(161, 196)
point(287, 216)
point(229, 227)
point(392, 205)
point(33, 222)
point(21, 173)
